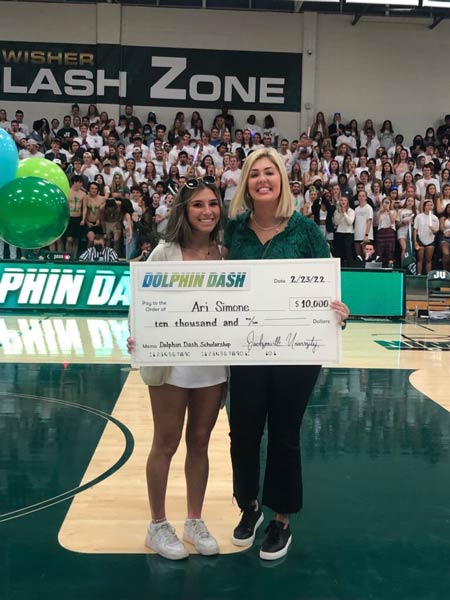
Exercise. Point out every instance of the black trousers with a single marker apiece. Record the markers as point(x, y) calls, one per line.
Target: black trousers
point(278, 395)
point(343, 245)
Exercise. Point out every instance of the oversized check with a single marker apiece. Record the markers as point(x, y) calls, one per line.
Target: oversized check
point(236, 312)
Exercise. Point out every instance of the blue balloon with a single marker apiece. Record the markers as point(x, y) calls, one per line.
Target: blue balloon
point(9, 158)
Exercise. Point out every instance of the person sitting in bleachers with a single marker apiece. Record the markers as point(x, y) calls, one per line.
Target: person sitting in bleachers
point(368, 255)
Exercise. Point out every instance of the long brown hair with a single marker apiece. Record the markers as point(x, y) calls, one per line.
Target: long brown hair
point(179, 229)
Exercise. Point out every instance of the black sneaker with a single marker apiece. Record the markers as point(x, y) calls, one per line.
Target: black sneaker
point(277, 541)
point(244, 534)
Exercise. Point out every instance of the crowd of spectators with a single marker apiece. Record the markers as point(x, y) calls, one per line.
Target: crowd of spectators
point(369, 190)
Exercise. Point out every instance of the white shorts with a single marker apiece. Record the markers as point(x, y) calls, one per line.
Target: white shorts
point(197, 377)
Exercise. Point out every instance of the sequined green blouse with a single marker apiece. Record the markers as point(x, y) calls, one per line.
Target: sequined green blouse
point(301, 238)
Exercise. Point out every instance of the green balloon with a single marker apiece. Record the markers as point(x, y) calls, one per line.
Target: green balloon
point(45, 169)
point(33, 212)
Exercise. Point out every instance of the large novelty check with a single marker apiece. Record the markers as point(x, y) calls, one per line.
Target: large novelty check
point(237, 312)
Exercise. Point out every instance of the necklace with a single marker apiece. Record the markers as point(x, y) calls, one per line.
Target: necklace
point(200, 252)
point(203, 253)
point(266, 228)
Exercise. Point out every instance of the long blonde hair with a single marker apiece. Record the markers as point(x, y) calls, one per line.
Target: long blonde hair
point(242, 201)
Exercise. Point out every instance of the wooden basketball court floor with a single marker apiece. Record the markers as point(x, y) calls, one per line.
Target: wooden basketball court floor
point(75, 430)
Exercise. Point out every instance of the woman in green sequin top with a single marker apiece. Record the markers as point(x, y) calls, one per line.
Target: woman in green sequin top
point(264, 225)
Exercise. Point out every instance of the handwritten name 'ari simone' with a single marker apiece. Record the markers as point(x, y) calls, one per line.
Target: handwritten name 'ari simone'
point(219, 307)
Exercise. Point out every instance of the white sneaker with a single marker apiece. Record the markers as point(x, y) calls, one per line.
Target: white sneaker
point(161, 538)
point(196, 533)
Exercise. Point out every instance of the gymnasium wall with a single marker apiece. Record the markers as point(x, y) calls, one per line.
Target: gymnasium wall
point(381, 68)
point(384, 68)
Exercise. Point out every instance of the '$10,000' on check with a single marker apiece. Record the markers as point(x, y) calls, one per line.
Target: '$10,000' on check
point(236, 312)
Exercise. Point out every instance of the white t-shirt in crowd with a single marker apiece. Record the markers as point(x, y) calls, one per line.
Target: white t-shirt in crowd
point(346, 139)
point(372, 147)
point(159, 168)
point(422, 184)
point(91, 172)
point(208, 149)
point(423, 224)
point(253, 128)
point(173, 155)
point(287, 160)
point(27, 154)
point(230, 180)
point(272, 131)
point(183, 169)
point(362, 215)
point(162, 211)
point(94, 141)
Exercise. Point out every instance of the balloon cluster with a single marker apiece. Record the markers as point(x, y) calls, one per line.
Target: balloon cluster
point(34, 210)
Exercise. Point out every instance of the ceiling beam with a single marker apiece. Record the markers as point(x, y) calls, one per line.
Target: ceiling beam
point(436, 21)
point(357, 16)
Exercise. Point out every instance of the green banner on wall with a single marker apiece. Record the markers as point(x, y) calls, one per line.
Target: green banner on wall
point(78, 287)
point(71, 286)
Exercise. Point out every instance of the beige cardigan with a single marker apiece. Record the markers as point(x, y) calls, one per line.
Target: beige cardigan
point(164, 251)
point(155, 376)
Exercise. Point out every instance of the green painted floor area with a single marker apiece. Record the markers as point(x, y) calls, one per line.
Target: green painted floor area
point(376, 523)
